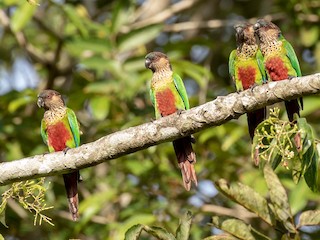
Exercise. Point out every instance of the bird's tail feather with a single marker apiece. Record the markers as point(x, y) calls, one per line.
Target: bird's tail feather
point(254, 118)
point(186, 160)
point(292, 107)
point(71, 185)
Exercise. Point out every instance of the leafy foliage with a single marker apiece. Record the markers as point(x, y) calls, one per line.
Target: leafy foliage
point(277, 209)
point(182, 232)
point(31, 196)
point(93, 53)
point(293, 145)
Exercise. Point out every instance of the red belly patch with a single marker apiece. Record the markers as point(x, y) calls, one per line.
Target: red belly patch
point(247, 76)
point(276, 69)
point(58, 136)
point(166, 102)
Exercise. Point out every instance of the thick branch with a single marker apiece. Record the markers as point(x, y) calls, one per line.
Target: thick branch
point(214, 113)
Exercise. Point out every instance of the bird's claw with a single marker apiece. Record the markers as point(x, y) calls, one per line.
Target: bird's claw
point(253, 86)
point(66, 150)
point(179, 111)
point(45, 153)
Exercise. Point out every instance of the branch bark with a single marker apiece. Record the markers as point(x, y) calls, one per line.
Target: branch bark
point(213, 113)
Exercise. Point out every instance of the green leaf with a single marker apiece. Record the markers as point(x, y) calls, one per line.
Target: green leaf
point(275, 157)
point(76, 18)
point(309, 218)
point(309, 35)
point(289, 237)
point(233, 226)
point(98, 63)
point(19, 102)
point(120, 15)
point(184, 227)
point(312, 174)
point(138, 37)
point(100, 106)
point(91, 46)
point(3, 212)
point(22, 16)
point(248, 198)
point(160, 233)
point(308, 139)
point(134, 232)
point(105, 87)
point(279, 199)
point(197, 72)
point(91, 205)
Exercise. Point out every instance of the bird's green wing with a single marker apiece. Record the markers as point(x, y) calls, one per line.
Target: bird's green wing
point(262, 70)
point(292, 57)
point(232, 59)
point(181, 90)
point(74, 126)
point(152, 97)
point(43, 132)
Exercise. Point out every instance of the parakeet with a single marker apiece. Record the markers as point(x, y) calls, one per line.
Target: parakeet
point(247, 70)
point(280, 60)
point(168, 96)
point(60, 131)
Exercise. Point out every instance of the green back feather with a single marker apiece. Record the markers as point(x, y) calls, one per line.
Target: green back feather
point(74, 126)
point(181, 90)
point(43, 132)
point(262, 70)
point(152, 97)
point(292, 56)
point(232, 59)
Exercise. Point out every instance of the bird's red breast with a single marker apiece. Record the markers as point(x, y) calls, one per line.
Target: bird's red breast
point(58, 135)
point(247, 76)
point(276, 69)
point(166, 102)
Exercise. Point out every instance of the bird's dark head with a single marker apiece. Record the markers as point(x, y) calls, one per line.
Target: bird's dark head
point(156, 61)
point(49, 99)
point(245, 33)
point(266, 30)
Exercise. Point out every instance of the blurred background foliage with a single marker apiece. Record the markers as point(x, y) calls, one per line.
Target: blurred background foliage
point(93, 53)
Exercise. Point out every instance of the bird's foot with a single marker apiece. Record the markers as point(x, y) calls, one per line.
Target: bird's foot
point(179, 111)
point(291, 77)
point(253, 86)
point(45, 153)
point(66, 150)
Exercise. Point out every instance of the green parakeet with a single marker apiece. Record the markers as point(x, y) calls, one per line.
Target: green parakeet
point(280, 59)
point(168, 96)
point(60, 131)
point(247, 70)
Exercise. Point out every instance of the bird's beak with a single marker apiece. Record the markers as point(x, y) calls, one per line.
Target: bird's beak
point(147, 63)
point(40, 102)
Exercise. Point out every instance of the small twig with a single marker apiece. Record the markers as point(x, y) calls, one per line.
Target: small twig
point(238, 212)
point(162, 16)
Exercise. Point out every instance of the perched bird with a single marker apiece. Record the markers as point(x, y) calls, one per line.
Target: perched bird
point(280, 60)
point(168, 96)
point(60, 131)
point(247, 70)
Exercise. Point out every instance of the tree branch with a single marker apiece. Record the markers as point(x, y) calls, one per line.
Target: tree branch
point(214, 113)
point(214, 23)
